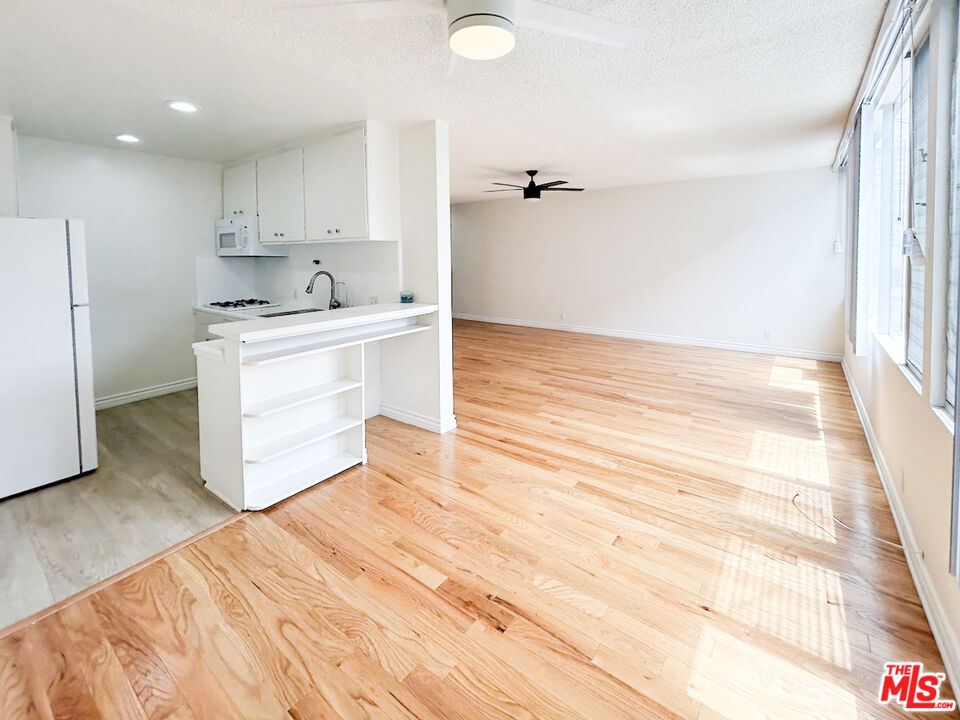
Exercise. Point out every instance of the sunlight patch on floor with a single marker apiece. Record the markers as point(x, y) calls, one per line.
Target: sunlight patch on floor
point(802, 455)
point(789, 455)
point(740, 681)
point(791, 376)
point(788, 597)
point(769, 499)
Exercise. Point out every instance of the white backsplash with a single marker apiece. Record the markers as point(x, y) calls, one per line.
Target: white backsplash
point(370, 269)
point(225, 279)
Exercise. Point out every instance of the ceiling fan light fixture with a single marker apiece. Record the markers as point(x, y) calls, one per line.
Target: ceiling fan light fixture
point(482, 29)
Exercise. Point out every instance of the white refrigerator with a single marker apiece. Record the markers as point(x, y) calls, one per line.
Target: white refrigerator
point(47, 422)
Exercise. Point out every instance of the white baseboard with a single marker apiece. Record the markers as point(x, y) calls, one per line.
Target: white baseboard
point(654, 337)
point(417, 420)
point(946, 640)
point(134, 395)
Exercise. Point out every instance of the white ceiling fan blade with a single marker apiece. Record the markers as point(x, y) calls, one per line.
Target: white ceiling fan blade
point(366, 9)
point(553, 19)
point(453, 64)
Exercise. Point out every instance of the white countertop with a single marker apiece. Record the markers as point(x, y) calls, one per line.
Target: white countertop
point(260, 329)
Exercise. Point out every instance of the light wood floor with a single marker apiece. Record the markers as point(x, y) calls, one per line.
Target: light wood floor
point(607, 535)
point(145, 497)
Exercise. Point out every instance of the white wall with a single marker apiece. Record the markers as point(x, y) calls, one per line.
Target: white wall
point(720, 260)
point(147, 218)
point(8, 168)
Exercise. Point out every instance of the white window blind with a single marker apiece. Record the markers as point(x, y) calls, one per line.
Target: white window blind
point(916, 273)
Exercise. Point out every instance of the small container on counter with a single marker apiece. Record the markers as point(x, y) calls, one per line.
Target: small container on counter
point(406, 296)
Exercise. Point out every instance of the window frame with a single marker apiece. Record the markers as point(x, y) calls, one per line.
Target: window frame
point(923, 43)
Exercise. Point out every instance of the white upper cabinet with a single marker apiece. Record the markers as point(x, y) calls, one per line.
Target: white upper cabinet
point(280, 197)
point(335, 187)
point(352, 185)
point(344, 187)
point(240, 190)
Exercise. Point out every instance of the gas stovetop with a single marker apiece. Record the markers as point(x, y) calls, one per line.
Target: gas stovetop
point(242, 304)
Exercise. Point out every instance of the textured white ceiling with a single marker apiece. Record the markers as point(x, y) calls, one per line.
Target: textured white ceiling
point(716, 87)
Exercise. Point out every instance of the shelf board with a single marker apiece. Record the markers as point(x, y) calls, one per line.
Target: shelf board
point(300, 439)
point(274, 492)
point(266, 358)
point(300, 397)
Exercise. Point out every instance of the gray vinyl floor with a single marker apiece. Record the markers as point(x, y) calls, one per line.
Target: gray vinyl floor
point(145, 497)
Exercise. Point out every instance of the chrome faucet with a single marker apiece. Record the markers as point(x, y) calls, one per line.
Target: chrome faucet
point(334, 303)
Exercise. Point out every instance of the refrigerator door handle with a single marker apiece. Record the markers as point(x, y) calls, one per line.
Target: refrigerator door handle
point(77, 261)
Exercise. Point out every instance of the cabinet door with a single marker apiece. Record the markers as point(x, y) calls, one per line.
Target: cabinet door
point(280, 197)
point(335, 188)
point(240, 190)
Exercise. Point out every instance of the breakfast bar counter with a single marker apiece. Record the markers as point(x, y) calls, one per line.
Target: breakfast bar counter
point(281, 399)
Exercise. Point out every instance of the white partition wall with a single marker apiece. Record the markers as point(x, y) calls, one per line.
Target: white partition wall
point(417, 371)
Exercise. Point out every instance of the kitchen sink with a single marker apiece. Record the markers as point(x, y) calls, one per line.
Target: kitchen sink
point(292, 312)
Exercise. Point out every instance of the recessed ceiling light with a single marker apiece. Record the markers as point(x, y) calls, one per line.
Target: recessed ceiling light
point(126, 138)
point(183, 106)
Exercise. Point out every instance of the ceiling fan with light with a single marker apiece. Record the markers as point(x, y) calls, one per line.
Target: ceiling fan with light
point(484, 29)
point(532, 190)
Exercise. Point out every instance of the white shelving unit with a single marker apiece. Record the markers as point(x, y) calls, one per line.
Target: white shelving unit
point(283, 410)
point(299, 397)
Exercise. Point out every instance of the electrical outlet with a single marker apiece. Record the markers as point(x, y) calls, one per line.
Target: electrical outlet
point(563, 316)
point(837, 247)
point(767, 336)
point(373, 300)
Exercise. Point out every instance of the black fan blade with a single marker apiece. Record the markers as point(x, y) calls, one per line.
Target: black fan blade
point(508, 185)
point(551, 184)
point(556, 189)
point(508, 190)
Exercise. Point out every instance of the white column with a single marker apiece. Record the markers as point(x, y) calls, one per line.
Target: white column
point(417, 371)
point(8, 168)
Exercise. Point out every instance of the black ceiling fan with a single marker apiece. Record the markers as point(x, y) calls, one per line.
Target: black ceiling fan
point(532, 191)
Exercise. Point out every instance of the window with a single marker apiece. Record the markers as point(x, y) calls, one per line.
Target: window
point(953, 259)
point(916, 270)
point(846, 238)
point(953, 287)
point(888, 207)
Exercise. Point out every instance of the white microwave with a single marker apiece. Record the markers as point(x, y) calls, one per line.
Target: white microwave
point(240, 237)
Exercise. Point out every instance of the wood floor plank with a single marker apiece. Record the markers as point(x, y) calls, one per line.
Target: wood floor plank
point(21, 695)
point(88, 650)
point(608, 535)
point(152, 681)
point(158, 606)
point(45, 654)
